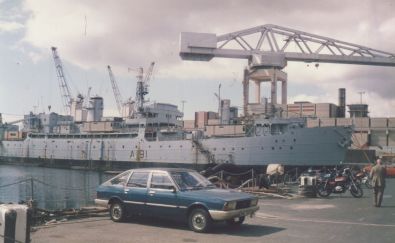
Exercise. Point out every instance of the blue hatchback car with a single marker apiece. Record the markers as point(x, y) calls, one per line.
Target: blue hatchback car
point(175, 194)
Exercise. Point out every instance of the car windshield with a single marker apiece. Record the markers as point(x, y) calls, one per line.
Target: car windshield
point(190, 180)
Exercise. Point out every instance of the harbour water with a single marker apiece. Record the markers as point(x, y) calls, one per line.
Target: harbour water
point(51, 188)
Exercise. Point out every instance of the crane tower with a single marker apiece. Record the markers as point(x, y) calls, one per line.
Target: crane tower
point(142, 85)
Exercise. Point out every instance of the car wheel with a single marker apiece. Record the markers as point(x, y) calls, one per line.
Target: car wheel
point(199, 220)
point(235, 221)
point(117, 213)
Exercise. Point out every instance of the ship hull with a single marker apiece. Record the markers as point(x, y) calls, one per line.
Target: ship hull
point(296, 147)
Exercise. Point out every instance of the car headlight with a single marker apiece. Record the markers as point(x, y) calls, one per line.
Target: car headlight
point(229, 206)
point(254, 202)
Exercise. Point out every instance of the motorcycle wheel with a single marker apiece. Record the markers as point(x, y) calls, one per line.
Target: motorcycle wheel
point(356, 190)
point(367, 184)
point(322, 190)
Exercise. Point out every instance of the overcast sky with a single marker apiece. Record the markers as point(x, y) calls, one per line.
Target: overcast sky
point(92, 34)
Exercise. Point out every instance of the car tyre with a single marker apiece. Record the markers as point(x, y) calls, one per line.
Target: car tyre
point(235, 221)
point(199, 220)
point(117, 212)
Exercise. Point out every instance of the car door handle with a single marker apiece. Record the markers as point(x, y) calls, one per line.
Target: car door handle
point(126, 190)
point(151, 193)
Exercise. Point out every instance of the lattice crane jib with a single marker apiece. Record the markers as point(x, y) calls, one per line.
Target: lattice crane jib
point(64, 87)
point(272, 46)
point(117, 93)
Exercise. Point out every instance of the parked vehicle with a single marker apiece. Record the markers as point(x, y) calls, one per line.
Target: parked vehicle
point(362, 177)
point(338, 182)
point(172, 193)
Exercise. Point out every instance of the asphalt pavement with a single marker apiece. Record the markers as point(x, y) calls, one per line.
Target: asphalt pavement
point(340, 218)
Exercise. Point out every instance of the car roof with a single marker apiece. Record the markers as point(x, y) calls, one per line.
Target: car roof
point(162, 169)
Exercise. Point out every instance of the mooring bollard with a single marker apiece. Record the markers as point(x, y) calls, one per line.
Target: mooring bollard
point(307, 186)
point(15, 222)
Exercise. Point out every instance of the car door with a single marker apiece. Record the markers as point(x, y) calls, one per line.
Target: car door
point(136, 192)
point(162, 196)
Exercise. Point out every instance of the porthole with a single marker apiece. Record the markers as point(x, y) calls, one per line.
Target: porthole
point(233, 149)
point(276, 141)
point(242, 148)
point(294, 139)
point(160, 146)
point(223, 149)
point(215, 149)
point(272, 148)
point(291, 148)
point(280, 148)
point(261, 148)
point(169, 146)
point(123, 146)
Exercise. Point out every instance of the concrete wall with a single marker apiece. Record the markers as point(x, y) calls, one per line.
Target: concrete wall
point(378, 122)
point(379, 132)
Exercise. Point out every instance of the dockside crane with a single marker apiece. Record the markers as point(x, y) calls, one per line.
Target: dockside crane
point(64, 87)
point(117, 94)
point(142, 85)
point(269, 47)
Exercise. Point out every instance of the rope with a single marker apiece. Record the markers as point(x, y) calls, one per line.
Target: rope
point(11, 184)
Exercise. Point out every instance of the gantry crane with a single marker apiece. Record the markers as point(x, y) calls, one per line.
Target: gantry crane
point(271, 47)
point(117, 94)
point(64, 87)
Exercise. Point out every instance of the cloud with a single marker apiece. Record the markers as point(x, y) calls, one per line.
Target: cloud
point(10, 26)
point(380, 81)
point(134, 33)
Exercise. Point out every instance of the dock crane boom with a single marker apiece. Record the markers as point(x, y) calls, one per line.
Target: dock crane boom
point(64, 87)
point(117, 94)
point(269, 47)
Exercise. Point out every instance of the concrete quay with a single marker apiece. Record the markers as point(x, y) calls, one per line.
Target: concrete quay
point(340, 218)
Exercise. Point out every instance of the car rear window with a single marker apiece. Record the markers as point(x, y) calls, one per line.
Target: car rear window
point(120, 179)
point(138, 179)
point(161, 181)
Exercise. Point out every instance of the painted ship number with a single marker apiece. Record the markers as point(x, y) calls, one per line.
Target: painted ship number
point(138, 154)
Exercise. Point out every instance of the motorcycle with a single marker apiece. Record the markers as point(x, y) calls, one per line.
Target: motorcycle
point(338, 182)
point(362, 178)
